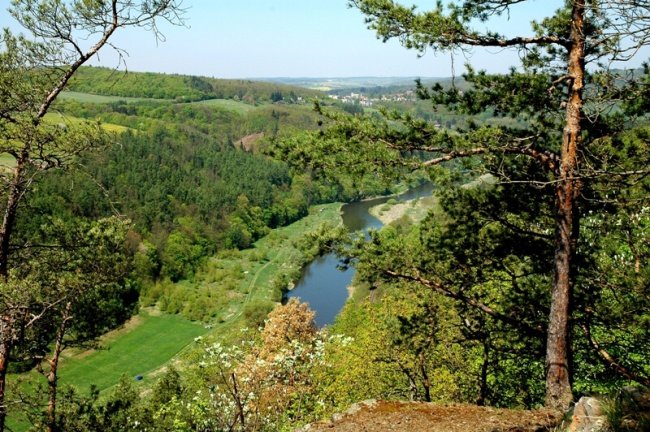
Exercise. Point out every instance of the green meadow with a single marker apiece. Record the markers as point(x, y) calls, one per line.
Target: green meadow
point(66, 119)
point(141, 347)
point(227, 104)
point(98, 99)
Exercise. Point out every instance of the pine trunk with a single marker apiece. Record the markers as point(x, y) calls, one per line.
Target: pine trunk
point(5, 351)
point(9, 217)
point(558, 349)
point(52, 377)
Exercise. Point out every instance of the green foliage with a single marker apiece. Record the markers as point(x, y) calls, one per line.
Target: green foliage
point(181, 255)
point(414, 339)
point(625, 410)
point(146, 264)
point(561, 168)
point(255, 312)
point(180, 88)
point(168, 388)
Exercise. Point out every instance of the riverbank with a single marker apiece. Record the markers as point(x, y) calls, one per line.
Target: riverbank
point(415, 210)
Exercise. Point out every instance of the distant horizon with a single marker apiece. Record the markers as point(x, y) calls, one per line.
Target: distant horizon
point(291, 38)
point(257, 78)
point(324, 77)
point(349, 77)
point(294, 39)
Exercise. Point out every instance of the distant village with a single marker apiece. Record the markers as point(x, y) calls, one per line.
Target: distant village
point(365, 101)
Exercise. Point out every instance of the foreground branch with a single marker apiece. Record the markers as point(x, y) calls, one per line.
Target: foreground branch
point(612, 361)
point(536, 332)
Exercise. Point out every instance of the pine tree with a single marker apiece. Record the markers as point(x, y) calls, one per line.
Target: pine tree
point(565, 103)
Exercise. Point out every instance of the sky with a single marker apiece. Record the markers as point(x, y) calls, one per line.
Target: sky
point(294, 38)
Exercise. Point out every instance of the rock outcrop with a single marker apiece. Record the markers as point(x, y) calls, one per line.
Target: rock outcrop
point(389, 416)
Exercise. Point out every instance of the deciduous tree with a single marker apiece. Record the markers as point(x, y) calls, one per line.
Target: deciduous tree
point(34, 70)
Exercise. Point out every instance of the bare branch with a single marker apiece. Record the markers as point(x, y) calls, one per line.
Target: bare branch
point(547, 159)
point(611, 361)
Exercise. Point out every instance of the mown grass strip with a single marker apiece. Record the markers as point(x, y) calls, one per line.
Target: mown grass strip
point(227, 104)
point(56, 118)
point(99, 99)
point(152, 342)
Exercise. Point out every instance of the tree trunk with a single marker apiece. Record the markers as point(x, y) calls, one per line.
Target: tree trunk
point(426, 382)
point(5, 351)
point(558, 350)
point(9, 217)
point(484, 373)
point(240, 406)
point(52, 378)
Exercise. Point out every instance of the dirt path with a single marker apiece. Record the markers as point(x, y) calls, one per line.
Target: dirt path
point(251, 290)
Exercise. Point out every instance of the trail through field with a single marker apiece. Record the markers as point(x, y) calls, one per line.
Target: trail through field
point(252, 288)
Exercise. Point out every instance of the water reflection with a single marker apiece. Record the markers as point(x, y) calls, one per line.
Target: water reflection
point(322, 284)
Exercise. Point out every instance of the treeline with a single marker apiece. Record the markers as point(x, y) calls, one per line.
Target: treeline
point(383, 90)
point(182, 88)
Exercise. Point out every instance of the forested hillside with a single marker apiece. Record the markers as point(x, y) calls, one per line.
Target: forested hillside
point(182, 88)
point(191, 176)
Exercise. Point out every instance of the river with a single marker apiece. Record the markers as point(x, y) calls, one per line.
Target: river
point(322, 284)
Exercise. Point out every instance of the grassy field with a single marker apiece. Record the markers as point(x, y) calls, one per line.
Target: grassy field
point(141, 347)
point(416, 209)
point(228, 104)
point(98, 99)
point(7, 161)
point(66, 119)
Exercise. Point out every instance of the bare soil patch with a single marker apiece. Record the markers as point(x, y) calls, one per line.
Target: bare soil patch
point(247, 143)
point(380, 416)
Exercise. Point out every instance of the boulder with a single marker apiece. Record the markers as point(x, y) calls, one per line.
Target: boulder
point(588, 416)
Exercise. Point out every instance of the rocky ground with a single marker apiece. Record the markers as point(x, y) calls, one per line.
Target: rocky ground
point(385, 416)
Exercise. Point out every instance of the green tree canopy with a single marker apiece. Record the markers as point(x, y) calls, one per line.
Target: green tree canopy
point(34, 70)
point(566, 158)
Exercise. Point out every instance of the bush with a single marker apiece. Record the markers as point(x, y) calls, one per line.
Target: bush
point(256, 312)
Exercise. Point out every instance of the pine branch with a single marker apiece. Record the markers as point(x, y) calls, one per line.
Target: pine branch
point(612, 361)
point(517, 323)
